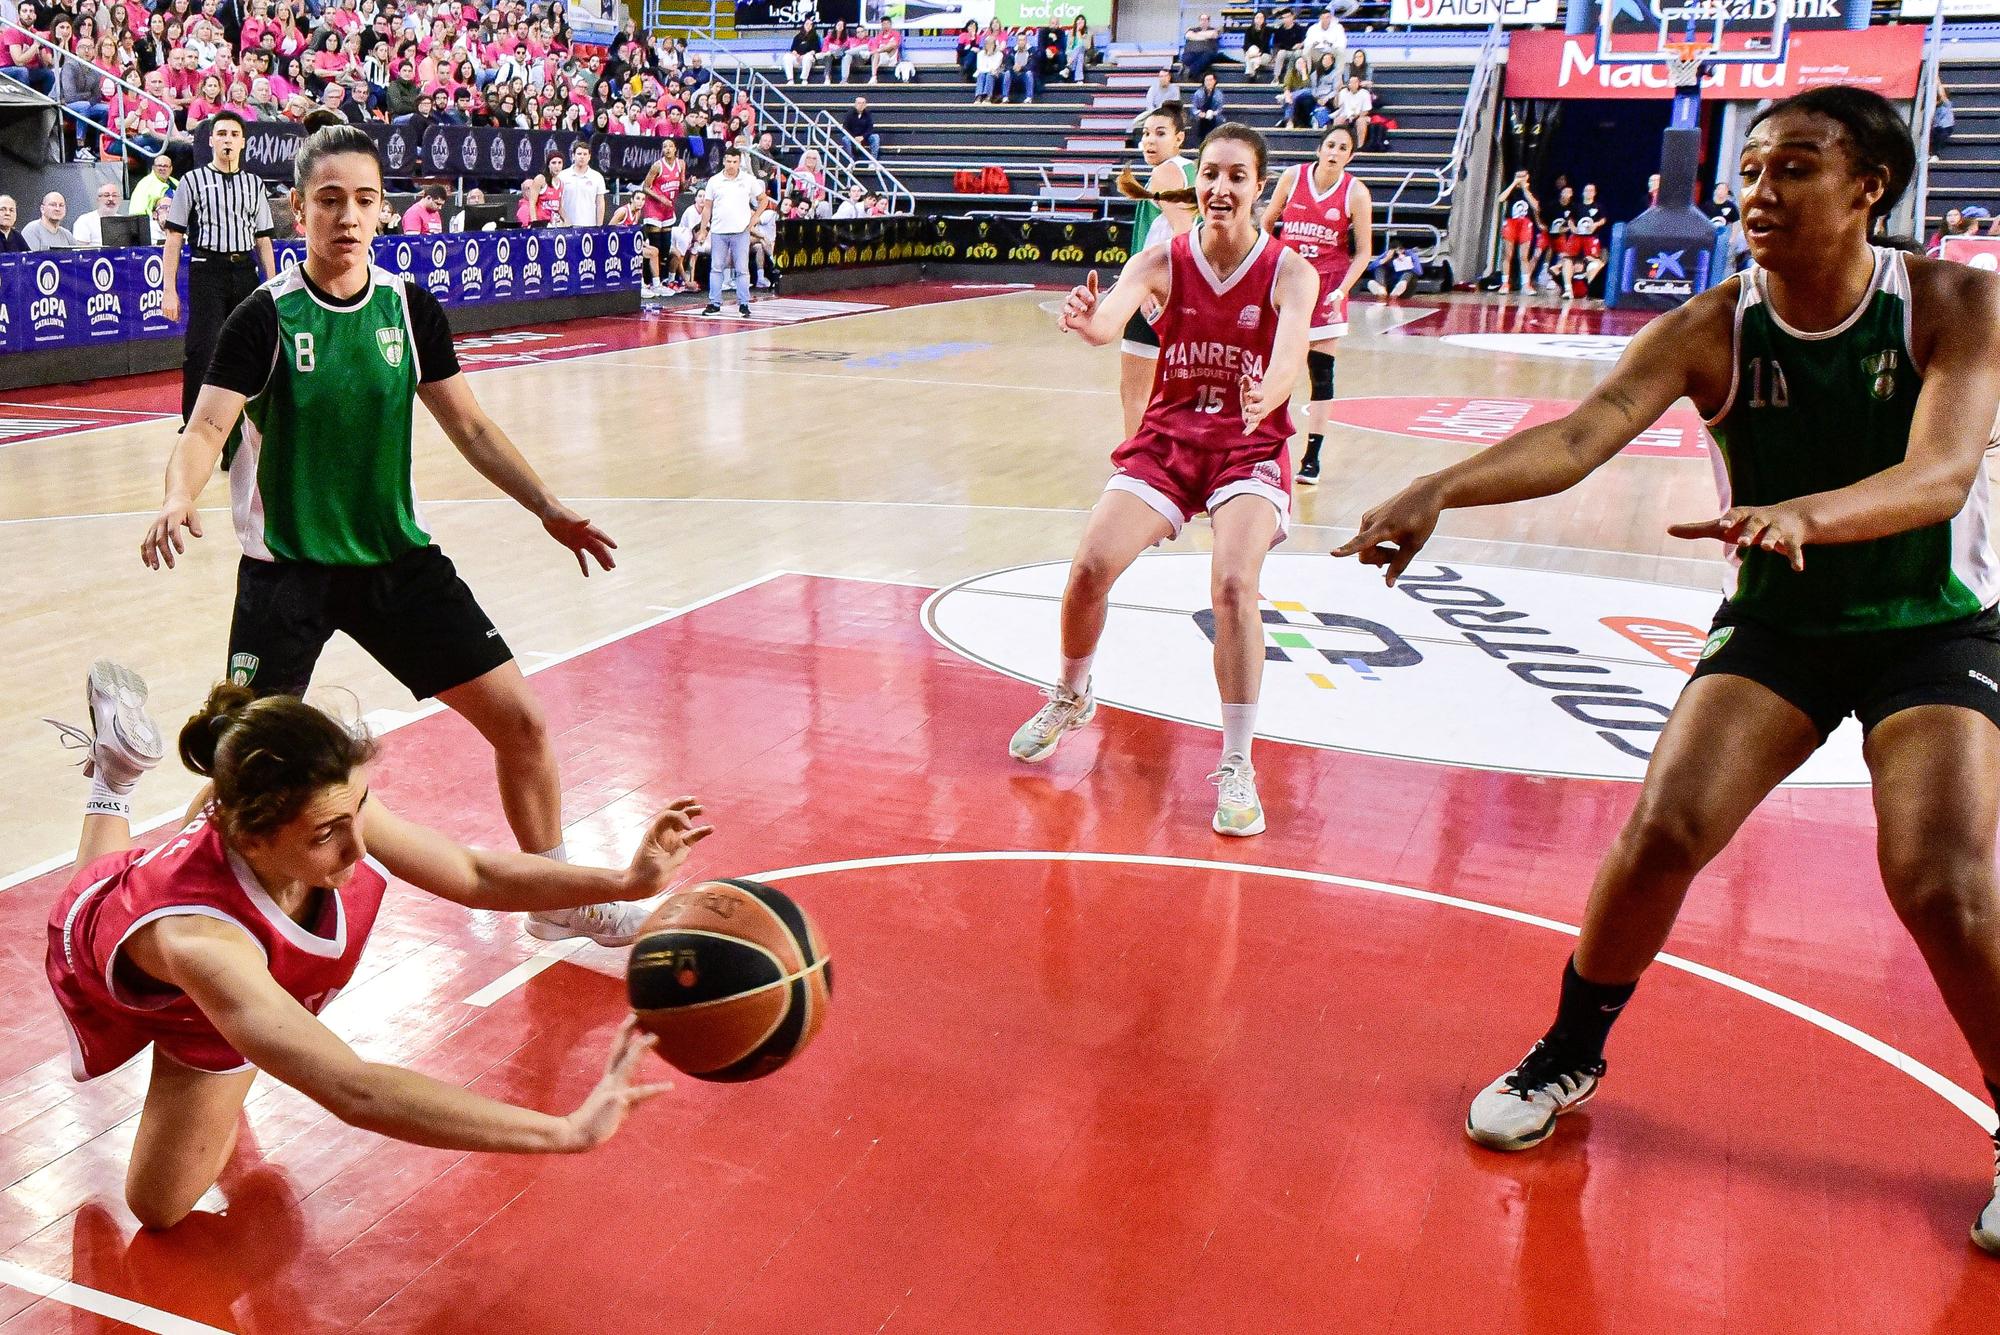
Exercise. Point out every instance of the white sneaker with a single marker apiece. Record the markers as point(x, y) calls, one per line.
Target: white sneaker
point(1520, 1108)
point(122, 742)
point(1238, 813)
point(1066, 711)
point(1986, 1231)
point(611, 924)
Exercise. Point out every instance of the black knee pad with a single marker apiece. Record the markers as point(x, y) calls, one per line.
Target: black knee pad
point(1319, 370)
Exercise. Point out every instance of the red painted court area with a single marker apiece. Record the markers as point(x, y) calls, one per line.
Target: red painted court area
point(1139, 1089)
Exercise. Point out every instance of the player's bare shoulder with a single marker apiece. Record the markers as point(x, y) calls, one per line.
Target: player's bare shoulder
point(1950, 300)
point(1699, 336)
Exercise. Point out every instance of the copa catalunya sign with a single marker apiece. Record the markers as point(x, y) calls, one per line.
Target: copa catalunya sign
point(1474, 13)
point(1885, 60)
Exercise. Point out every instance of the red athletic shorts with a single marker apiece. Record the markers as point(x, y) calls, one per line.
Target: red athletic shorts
point(1589, 247)
point(1330, 315)
point(1518, 231)
point(1568, 244)
point(1180, 483)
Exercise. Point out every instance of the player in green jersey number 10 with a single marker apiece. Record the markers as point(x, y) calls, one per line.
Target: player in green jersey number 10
point(1851, 390)
point(322, 366)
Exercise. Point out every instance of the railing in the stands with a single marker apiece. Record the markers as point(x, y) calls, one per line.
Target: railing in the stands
point(54, 57)
point(797, 129)
point(1439, 196)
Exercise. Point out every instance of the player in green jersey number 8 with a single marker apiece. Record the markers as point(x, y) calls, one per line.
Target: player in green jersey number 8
point(323, 365)
point(1851, 390)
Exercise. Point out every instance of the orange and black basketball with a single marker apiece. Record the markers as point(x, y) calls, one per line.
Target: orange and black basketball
point(731, 977)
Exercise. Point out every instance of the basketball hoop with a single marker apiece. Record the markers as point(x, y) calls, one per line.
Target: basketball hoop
point(1684, 62)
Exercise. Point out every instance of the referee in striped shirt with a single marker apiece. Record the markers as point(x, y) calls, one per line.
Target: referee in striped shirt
point(219, 212)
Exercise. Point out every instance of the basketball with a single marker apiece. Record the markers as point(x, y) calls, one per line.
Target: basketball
point(732, 979)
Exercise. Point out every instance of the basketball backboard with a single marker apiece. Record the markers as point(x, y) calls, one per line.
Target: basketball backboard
point(1645, 32)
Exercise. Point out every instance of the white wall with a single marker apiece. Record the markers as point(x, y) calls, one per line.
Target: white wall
point(1154, 22)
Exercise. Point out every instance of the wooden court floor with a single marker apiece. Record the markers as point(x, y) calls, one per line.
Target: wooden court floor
point(1089, 1068)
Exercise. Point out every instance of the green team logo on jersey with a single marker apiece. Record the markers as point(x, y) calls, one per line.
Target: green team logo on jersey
point(1716, 640)
point(1882, 367)
point(390, 341)
point(243, 669)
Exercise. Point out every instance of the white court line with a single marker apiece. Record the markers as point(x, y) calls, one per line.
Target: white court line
point(1974, 1108)
point(1710, 566)
point(526, 969)
point(388, 720)
point(69, 408)
point(850, 376)
point(103, 1304)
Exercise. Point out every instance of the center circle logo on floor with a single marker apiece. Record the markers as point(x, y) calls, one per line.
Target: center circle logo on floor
point(1569, 347)
point(1486, 421)
point(1486, 667)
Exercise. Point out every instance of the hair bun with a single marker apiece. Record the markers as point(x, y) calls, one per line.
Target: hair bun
point(321, 117)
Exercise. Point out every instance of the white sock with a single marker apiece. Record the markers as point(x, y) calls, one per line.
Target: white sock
point(560, 853)
point(109, 800)
point(1076, 672)
point(1239, 725)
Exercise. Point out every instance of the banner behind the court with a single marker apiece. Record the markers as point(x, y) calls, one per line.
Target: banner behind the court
point(1886, 60)
point(83, 298)
point(1474, 13)
point(804, 245)
point(468, 152)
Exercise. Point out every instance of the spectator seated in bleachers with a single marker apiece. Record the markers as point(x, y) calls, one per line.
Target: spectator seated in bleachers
point(1205, 109)
point(1201, 47)
point(1259, 40)
point(1078, 51)
point(11, 240)
point(859, 125)
point(805, 49)
point(986, 69)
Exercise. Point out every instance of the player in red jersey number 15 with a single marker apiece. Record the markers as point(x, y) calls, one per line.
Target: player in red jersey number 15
point(1234, 310)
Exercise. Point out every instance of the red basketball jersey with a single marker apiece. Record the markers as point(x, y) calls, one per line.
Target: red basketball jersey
point(194, 873)
point(1212, 333)
point(1317, 225)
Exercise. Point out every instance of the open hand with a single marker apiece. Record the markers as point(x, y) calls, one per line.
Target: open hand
point(1256, 405)
point(603, 1110)
point(581, 536)
point(163, 541)
point(1394, 532)
point(1079, 305)
point(672, 834)
point(1779, 529)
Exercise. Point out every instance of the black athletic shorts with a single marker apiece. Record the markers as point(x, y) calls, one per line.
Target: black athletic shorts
point(1138, 331)
point(414, 616)
point(1871, 674)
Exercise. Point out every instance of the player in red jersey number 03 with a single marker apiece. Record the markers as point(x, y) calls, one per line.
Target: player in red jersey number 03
point(1235, 308)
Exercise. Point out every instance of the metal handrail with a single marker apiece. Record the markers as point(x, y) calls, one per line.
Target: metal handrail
point(1922, 113)
point(798, 129)
point(1439, 195)
point(1484, 70)
point(62, 110)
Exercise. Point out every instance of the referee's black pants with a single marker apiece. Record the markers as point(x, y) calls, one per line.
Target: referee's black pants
point(215, 286)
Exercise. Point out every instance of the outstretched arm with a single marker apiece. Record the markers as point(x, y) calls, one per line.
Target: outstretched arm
point(1098, 319)
point(483, 878)
point(487, 448)
point(221, 970)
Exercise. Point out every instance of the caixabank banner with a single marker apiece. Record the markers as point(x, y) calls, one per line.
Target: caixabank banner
point(815, 244)
point(80, 298)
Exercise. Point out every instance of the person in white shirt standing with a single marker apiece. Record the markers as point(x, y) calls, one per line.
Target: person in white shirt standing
point(730, 201)
point(89, 230)
point(583, 190)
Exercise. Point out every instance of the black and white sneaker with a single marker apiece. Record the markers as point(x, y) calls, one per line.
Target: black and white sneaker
point(743, 311)
point(1986, 1230)
point(1308, 474)
point(1520, 1108)
point(711, 309)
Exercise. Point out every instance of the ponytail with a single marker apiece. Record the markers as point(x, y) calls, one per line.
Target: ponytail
point(267, 755)
point(1128, 186)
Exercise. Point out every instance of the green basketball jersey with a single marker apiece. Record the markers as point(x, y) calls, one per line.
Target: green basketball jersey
point(322, 469)
point(1815, 412)
point(1149, 225)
